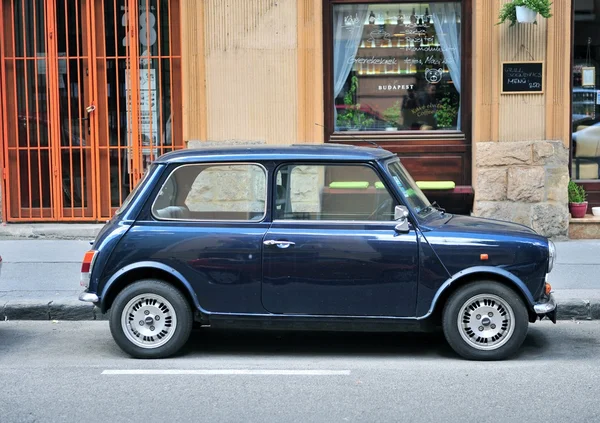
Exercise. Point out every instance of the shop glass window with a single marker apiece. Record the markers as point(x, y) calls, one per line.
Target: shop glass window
point(213, 192)
point(397, 66)
point(586, 95)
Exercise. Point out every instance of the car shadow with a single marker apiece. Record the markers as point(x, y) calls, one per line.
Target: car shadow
point(561, 342)
point(541, 342)
point(219, 342)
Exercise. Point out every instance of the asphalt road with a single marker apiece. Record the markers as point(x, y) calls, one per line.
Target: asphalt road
point(73, 372)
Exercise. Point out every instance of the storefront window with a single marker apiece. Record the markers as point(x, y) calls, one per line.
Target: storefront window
point(586, 94)
point(397, 66)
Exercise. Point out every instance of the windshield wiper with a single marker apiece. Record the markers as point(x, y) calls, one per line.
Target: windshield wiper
point(433, 206)
point(437, 207)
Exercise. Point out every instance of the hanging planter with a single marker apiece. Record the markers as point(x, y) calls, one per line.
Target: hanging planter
point(524, 11)
point(525, 14)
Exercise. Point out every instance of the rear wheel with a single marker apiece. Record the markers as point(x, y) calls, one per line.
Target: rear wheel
point(150, 319)
point(485, 321)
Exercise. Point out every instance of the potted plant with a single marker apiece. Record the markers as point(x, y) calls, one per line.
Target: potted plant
point(524, 11)
point(577, 204)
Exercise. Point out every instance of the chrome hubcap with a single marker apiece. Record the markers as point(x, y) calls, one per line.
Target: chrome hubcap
point(486, 322)
point(149, 321)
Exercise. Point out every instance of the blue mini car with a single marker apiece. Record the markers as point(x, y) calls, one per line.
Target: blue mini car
point(309, 237)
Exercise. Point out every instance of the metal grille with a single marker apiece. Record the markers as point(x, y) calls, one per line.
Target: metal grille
point(91, 94)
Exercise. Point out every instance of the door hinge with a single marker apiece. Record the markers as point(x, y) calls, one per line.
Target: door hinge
point(4, 175)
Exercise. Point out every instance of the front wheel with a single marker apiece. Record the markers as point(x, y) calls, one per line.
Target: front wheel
point(485, 321)
point(150, 319)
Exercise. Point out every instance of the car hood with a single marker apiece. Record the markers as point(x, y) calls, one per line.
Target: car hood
point(480, 225)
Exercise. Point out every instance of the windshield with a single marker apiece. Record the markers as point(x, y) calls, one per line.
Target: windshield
point(414, 196)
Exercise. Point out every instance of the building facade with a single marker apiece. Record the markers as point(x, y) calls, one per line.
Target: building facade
point(91, 93)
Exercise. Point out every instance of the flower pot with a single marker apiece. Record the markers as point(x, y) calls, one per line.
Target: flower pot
point(525, 14)
point(578, 210)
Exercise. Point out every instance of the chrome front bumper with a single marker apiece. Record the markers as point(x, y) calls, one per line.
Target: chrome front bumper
point(88, 297)
point(546, 308)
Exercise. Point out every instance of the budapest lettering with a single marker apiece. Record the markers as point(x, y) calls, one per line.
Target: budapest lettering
point(391, 87)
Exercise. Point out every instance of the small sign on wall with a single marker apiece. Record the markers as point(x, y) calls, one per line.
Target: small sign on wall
point(522, 77)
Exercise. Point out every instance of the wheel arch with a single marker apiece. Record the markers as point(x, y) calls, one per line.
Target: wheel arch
point(145, 270)
point(480, 273)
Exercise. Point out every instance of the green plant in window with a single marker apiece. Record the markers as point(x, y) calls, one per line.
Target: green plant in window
point(509, 10)
point(446, 113)
point(352, 117)
point(392, 113)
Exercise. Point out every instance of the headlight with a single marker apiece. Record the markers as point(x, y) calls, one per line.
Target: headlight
point(551, 255)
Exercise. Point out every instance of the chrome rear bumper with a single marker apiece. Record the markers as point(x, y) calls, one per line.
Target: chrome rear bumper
point(88, 297)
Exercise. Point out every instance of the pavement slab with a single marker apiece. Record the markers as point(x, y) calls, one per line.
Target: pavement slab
point(82, 231)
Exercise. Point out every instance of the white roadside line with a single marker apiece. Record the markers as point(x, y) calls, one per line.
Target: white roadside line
point(229, 372)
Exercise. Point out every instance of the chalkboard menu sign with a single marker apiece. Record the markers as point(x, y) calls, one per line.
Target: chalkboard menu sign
point(522, 77)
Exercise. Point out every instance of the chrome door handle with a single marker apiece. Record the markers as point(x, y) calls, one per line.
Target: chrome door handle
point(280, 244)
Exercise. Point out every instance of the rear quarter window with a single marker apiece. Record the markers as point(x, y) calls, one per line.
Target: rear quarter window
point(236, 192)
point(133, 193)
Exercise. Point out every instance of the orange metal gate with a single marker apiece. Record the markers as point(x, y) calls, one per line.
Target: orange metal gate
point(91, 93)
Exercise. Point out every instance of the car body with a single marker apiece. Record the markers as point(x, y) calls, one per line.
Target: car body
point(312, 237)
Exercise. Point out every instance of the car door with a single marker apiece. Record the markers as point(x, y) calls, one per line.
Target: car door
point(332, 248)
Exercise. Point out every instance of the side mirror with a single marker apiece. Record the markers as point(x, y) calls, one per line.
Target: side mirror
point(400, 213)
point(401, 216)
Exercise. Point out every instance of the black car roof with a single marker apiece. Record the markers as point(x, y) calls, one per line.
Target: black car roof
point(276, 152)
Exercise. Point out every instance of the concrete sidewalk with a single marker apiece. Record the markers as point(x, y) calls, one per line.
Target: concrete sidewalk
point(59, 231)
point(40, 274)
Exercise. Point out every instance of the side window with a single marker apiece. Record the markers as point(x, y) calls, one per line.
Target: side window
point(331, 192)
point(213, 192)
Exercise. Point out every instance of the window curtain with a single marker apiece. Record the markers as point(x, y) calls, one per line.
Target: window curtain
point(348, 21)
point(446, 20)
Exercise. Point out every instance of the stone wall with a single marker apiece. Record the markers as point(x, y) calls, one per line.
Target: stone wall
point(228, 188)
point(523, 182)
point(306, 186)
point(239, 188)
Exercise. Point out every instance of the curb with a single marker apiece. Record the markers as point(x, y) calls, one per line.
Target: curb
point(74, 310)
point(58, 231)
point(62, 309)
point(578, 310)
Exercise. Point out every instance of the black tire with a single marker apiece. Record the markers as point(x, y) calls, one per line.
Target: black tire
point(175, 325)
point(494, 342)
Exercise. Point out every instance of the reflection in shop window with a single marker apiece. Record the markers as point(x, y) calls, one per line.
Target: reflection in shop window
point(585, 98)
point(397, 66)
